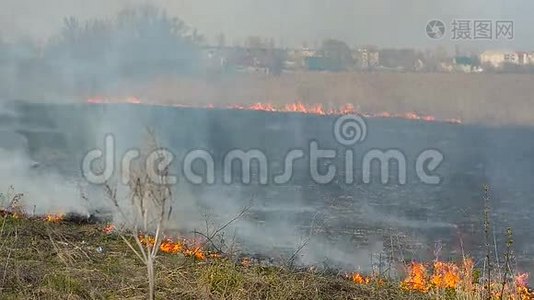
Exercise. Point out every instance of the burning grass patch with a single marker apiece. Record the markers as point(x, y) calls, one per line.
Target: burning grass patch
point(54, 257)
point(43, 260)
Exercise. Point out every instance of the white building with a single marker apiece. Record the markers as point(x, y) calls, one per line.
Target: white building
point(366, 58)
point(497, 58)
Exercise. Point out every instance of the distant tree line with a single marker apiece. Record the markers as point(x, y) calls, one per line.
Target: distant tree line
point(138, 43)
point(144, 42)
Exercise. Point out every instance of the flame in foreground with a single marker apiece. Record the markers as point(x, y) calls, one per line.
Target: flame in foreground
point(296, 107)
point(360, 279)
point(189, 248)
point(52, 218)
point(186, 247)
point(109, 229)
point(521, 282)
point(445, 276)
point(417, 278)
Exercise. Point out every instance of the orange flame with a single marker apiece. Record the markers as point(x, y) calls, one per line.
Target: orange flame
point(417, 279)
point(54, 218)
point(186, 248)
point(459, 278)
point(446, 275)
point(521, 282)
point(168, 246)
point(109, 229)
point(296, 107)
point(196, 252)
point(360, 279)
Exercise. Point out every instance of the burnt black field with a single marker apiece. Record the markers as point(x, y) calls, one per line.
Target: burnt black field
point(347, 224)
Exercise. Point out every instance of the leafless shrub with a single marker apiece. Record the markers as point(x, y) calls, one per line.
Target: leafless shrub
point(148, 213)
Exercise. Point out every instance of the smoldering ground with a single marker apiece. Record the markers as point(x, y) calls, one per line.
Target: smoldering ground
point(335, 225)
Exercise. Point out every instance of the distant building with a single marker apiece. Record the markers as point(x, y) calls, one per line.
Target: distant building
point(464, 64)
point(325, 61)
point(307, 52)
point(265, 60)
point(498, 59)
point(317, 63)
point(523, 58)
point(400, 59)
point(214, 57)
point(445, 67)
point(296, 58)
point(367, 58)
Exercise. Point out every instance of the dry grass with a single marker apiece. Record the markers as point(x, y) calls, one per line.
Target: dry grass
point(42, 260)
point(489, 98)
point(486, 97)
